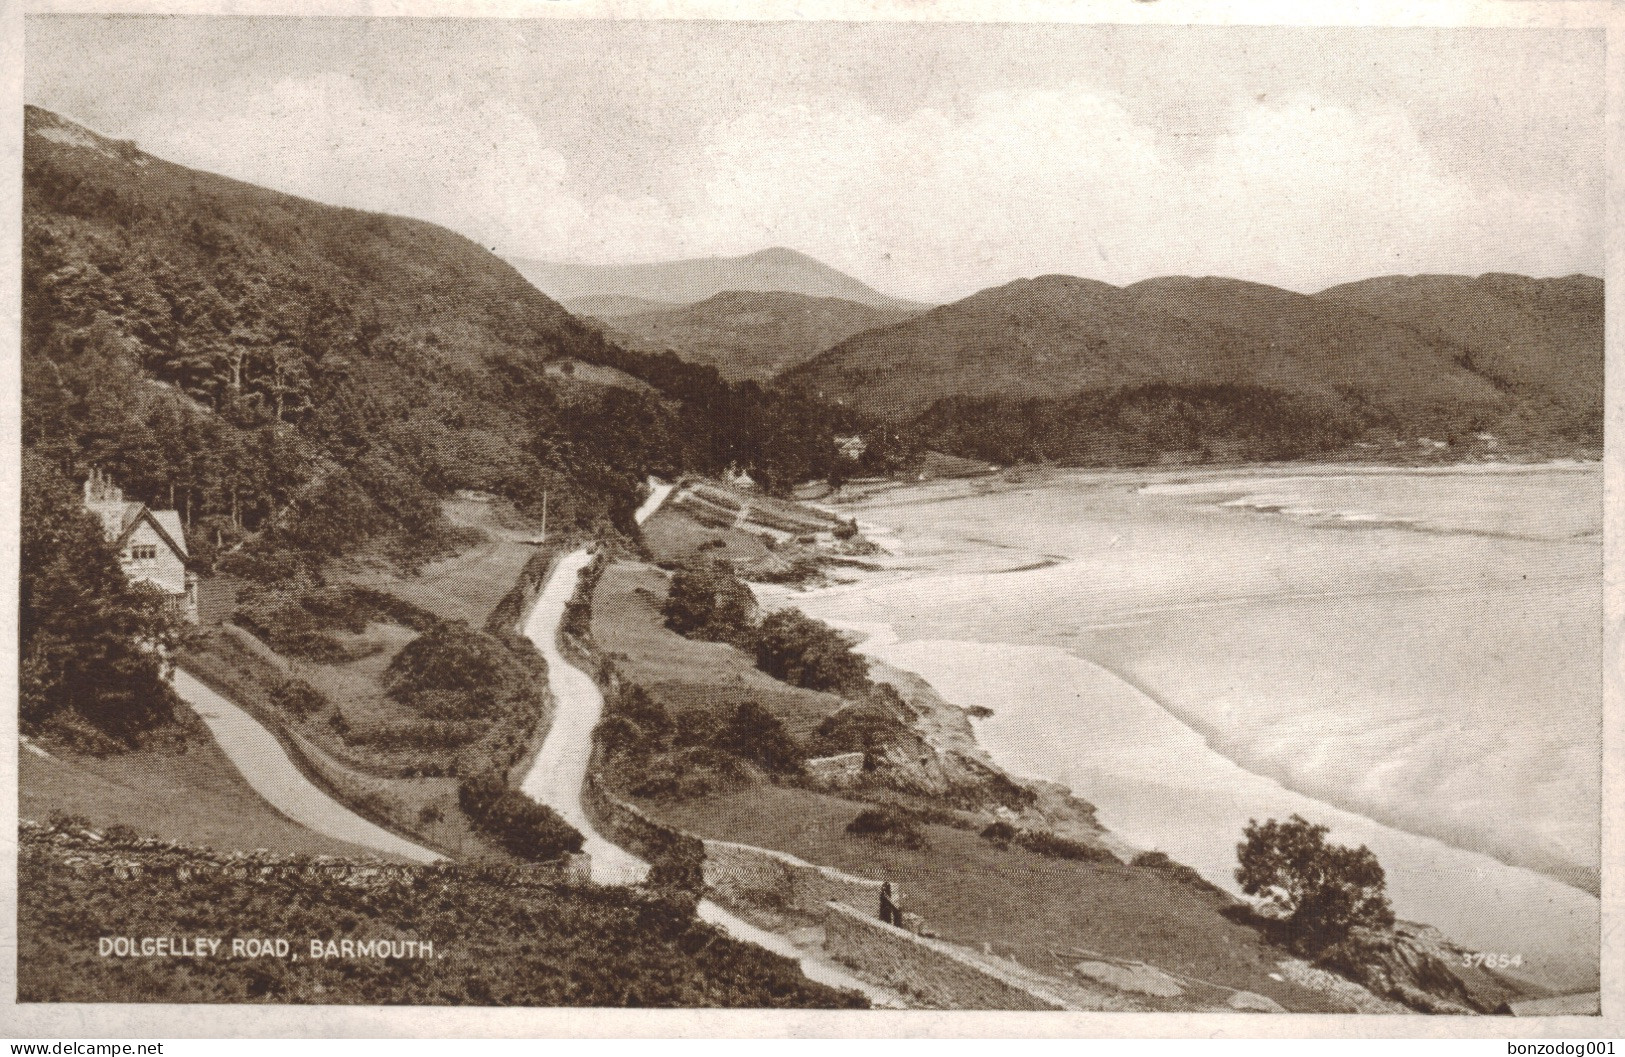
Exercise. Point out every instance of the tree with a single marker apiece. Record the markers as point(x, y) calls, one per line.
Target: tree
point(807, 653)
point(92, 644)
point(755, 734)
point(707, 601)
point(1321, 890)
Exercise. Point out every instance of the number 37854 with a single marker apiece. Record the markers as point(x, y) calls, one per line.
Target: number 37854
point(1491, 960)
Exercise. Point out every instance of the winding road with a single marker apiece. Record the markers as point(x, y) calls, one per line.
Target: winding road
point(560, 771)
point(266, 767)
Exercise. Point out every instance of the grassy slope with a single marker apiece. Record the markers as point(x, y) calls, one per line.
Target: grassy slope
point(494, 945)
point(1045, 913)
point(195, 796)
point(749, 334)
point(466, 585)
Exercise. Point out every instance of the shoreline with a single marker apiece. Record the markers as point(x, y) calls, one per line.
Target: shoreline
point(1468, 894)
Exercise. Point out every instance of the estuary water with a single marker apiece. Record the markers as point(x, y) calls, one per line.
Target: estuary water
point(1410, 656)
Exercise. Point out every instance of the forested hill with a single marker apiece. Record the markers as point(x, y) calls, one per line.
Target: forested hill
point(748, 334)
point(1060, 367)
point(302, 380)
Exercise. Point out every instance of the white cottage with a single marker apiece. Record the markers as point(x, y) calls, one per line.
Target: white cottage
point(151, 543)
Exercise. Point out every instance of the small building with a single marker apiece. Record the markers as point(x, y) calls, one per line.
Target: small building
point(851, 447)
point(151, 544)
point(738, 478)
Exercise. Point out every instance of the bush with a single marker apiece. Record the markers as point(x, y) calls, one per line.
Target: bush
point(888, 826)
point(522, 826)
point(1042, 842)
point(755, 734)
point(690, 772)
point(297, 698)
point(1000, 833)
point(863, 728)
point(1321, 890)
point(707, 601)
point(807, 653)
point(453, 672)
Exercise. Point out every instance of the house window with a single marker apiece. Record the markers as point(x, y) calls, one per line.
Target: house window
point(144, 552)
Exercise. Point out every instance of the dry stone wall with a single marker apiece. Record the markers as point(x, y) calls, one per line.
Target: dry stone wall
point(86, 851)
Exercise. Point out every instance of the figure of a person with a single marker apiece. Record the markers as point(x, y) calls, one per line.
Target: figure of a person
point(889, 913)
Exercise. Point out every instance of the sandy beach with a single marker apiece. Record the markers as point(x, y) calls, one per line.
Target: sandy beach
point(1412, 657)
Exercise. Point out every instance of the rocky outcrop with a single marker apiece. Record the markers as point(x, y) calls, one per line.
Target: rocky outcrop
point(1411, 964)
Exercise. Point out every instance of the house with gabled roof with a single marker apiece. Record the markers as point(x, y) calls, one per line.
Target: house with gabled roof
point(151, 544)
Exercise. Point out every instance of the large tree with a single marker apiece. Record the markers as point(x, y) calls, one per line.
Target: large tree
point(92, 644)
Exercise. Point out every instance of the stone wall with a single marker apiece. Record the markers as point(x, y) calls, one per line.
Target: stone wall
point(740, 873)
point(87, 851)
point(934, 974)
point(835, 772)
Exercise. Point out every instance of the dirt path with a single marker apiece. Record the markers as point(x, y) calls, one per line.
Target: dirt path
point(560, 771)
point(265, 766)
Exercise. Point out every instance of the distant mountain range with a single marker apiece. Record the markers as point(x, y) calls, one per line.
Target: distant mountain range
point(1395, 356)
point(748, 334)
point(689, 281)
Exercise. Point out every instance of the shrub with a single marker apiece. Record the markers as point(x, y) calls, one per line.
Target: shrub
point(1000, 833)
point(705, 600)
point(888, 826)
point(297, 697)
point(521, 825)
point(698, 770)
point(66, 820)
point(1042, 842)
point(807, 653)
point(755, 734)
point(1156, 860)
point(453, 672)
point(1321, 890)
point(119, 833)
point(634, 703)
point(680, 866)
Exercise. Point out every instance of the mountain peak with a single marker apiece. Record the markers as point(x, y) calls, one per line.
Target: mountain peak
point(776, 269)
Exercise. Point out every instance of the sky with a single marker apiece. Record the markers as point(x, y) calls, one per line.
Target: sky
point(929, 160)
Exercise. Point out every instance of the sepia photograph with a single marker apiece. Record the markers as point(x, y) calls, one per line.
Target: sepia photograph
point(811, 515)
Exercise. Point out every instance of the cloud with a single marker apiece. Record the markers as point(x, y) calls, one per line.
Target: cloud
point(1295, 190)
point(478, 165)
